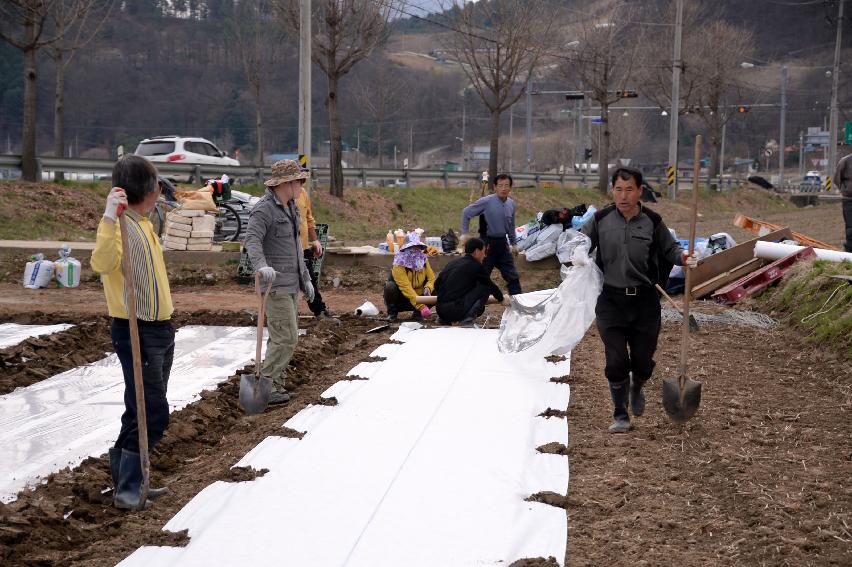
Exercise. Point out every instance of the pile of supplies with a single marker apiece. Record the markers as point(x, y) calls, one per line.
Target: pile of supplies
point(40, 272)
point(538, 239)
point(189, 230)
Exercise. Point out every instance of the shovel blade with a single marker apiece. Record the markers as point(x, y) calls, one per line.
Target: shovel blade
point(677, 410)
point(254, 393)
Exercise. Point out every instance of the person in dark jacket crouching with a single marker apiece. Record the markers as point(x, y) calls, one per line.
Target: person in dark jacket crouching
point(463, 286)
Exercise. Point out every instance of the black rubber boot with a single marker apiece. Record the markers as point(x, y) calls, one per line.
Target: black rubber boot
point(114, 464)
point(620, 394)
point(477, 309)
point(129, 482)
point(637, 396)
point(279, 397)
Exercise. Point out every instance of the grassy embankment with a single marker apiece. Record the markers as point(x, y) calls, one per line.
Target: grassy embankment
point(818, 305)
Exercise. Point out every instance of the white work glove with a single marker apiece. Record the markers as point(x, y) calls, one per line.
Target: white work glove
point(116, 203)
point(427, 291)
point(506, 301)
point(267, 275)
point(309, 291)
point(317, 248)
point(690, 260)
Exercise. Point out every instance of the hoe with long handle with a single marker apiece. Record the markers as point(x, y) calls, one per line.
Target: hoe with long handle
point(141, 418)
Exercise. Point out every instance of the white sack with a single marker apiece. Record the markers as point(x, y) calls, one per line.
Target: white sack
point(545, 244)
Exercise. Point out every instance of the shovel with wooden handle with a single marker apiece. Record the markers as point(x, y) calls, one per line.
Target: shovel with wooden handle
point(681, 396)
point(255, 389)
point(141, 417)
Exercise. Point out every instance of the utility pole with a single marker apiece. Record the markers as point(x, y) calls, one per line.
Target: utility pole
point(782, 136)
point(411, 145)
point(464, 119)
point(358, 155)
point(580, 146)
point(801, 154)
point(722, 154)
point(677, 64)
point(529, 125)
point(832, 129)
point(305, 81)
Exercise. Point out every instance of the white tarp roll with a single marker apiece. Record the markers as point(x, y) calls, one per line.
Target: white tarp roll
point(428, 463)
point(776, 251)
point(12, 333)
point(60, 421)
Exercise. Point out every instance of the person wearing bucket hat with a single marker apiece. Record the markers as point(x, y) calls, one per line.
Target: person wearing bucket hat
point(410, 276)
point(274, 247)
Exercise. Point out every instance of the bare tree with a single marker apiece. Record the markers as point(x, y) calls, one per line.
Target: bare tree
point(381, 94)
point(499, 60)
point(78, 33)
point(344, 33)
point(259, 42)
point(710, 83)
point(30, 25)
point(603, 65)
point(627, 134)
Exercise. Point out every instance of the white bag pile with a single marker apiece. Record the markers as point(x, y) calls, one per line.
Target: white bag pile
point(188, 230)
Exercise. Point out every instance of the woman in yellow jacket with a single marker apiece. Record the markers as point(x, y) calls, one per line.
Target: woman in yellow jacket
point(411, 276)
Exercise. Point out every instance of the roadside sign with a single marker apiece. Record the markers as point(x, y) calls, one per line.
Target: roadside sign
point(597, 120)
point(847, 139)
point(767, 152)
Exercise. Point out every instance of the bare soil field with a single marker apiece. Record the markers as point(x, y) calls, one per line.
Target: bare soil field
point(761, 476)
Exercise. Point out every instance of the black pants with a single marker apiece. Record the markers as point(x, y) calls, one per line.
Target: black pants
point(157, 349)
point(452, 311)
point(500, 257)
point(394, 300)
point(629, 326)
point(847, 219)
point(316, 306)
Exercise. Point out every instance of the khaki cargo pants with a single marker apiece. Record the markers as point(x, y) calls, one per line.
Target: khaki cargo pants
point(282, 324)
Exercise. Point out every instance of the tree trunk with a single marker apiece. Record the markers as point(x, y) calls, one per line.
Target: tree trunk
point(58, 113)
point(715, 139)
point(495, 142)
point(258, 120)
point(379, 143)
point(29, 165)
point(335, 151)
point(603, 151)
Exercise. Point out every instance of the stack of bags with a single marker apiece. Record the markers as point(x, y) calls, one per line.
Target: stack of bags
point(189, 230)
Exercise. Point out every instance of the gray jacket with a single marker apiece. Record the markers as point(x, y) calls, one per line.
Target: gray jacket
point(843, 177)
point(272, 239)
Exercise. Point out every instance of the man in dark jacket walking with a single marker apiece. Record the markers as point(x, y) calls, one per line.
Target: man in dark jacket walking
point(843, 181)
point(633, 249)
point(463, 286)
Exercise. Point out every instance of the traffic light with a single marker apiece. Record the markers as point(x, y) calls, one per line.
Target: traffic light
point(627, 93)
point(742, 109)
point(587, 154)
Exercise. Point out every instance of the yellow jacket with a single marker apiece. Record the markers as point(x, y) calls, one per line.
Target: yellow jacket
point(303, 202)
point(411, 282)
point(153, 297)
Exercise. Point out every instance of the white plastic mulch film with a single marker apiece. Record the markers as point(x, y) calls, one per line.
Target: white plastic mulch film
point(554, 321)
point(12, 333)
point(60, 421)
point(428, 462)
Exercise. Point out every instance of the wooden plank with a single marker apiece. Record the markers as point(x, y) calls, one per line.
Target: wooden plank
point(726, 260)
point(727, 277)
point(757, 226)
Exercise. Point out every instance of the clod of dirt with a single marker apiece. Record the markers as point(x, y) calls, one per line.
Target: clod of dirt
point(554, 358)
point(550, 412)
point(560, 379)
point(354, 377)
point(553, 448)
point(243, 474)
point(165, 538)
point(375, 359)
point(330, 401)
point(550, 498)
point(536, 562)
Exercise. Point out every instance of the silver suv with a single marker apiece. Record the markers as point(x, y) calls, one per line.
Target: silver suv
point(177, 149)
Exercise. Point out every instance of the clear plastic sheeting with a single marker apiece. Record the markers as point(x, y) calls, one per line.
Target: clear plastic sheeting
point(554, 321)
point(12, 333)
point(60, 421)
point(428, 464)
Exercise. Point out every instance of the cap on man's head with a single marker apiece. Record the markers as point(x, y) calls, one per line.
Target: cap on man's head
point(284, 171)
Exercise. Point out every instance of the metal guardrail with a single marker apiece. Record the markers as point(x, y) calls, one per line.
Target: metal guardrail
point(97, 168)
